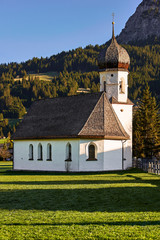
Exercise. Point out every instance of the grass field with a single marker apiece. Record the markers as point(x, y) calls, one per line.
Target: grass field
point(42, 76)
point(5, 166)
point(2, 141)
point(120, 205)
point(45, 76)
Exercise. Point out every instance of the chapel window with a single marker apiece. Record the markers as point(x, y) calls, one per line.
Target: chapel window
point(92, 152)
point(49, 152)
point(30, 152)
point(68, 152)
point(40, 152)
point(122, 86)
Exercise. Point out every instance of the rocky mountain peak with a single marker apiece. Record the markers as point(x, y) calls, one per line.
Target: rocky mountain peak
point(143, 24)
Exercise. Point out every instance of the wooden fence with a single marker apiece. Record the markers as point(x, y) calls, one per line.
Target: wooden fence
point(147, 165)
point(154, 167)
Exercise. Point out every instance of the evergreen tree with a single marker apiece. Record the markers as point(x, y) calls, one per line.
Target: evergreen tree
point(137, 139)
point(14, 129)
point(1, 116)
point(146, 125)
point(9, 136)
point(1, 133)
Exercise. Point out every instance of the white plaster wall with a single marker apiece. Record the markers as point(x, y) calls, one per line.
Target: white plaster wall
point(21, 155)
point(124, 113)
point(112, 155)
point(113, 79)
point(109, 155)
point(85, 165)
point(111, 83)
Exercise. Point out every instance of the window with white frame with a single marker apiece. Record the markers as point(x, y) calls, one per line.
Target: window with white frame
point(40, 152)
point(122, 85)
point(49, 152)
point(68, 152)
point(30, 152)
point(92, 152)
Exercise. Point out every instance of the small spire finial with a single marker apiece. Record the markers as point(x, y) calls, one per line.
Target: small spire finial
point(113, 25)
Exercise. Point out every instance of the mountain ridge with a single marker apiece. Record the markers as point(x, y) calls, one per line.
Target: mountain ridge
point(143, 25)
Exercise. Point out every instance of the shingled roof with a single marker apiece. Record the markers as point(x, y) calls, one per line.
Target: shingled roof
point(114, 56)
point(81, 116)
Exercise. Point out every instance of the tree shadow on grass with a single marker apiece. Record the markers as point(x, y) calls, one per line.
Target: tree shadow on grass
point(85, 182)
point(37, 173)
point(128, 178)
point(116, 199)
point(122, 223)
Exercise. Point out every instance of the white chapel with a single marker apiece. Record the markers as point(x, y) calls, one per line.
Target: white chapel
point(90, 132)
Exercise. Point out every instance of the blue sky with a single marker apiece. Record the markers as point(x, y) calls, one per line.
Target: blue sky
point(35, 28)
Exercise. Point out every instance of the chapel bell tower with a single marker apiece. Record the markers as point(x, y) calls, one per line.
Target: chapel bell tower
point(113, 66)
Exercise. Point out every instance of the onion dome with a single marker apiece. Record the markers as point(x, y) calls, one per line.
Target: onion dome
point(114, 56)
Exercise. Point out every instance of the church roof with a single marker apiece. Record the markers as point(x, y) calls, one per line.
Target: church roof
point(114, 56)
point(82, 116)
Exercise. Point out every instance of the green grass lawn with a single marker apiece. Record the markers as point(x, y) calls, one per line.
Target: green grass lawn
point(120, 205)
point(5, 166)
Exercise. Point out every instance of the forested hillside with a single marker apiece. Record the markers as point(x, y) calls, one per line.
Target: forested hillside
point(75, 69)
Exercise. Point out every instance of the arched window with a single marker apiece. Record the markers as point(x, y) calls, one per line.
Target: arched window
point(122, 85)
point(40, 153)
point(30, 152)
point(49, 152)
point(68, 152)
point(92, 152)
